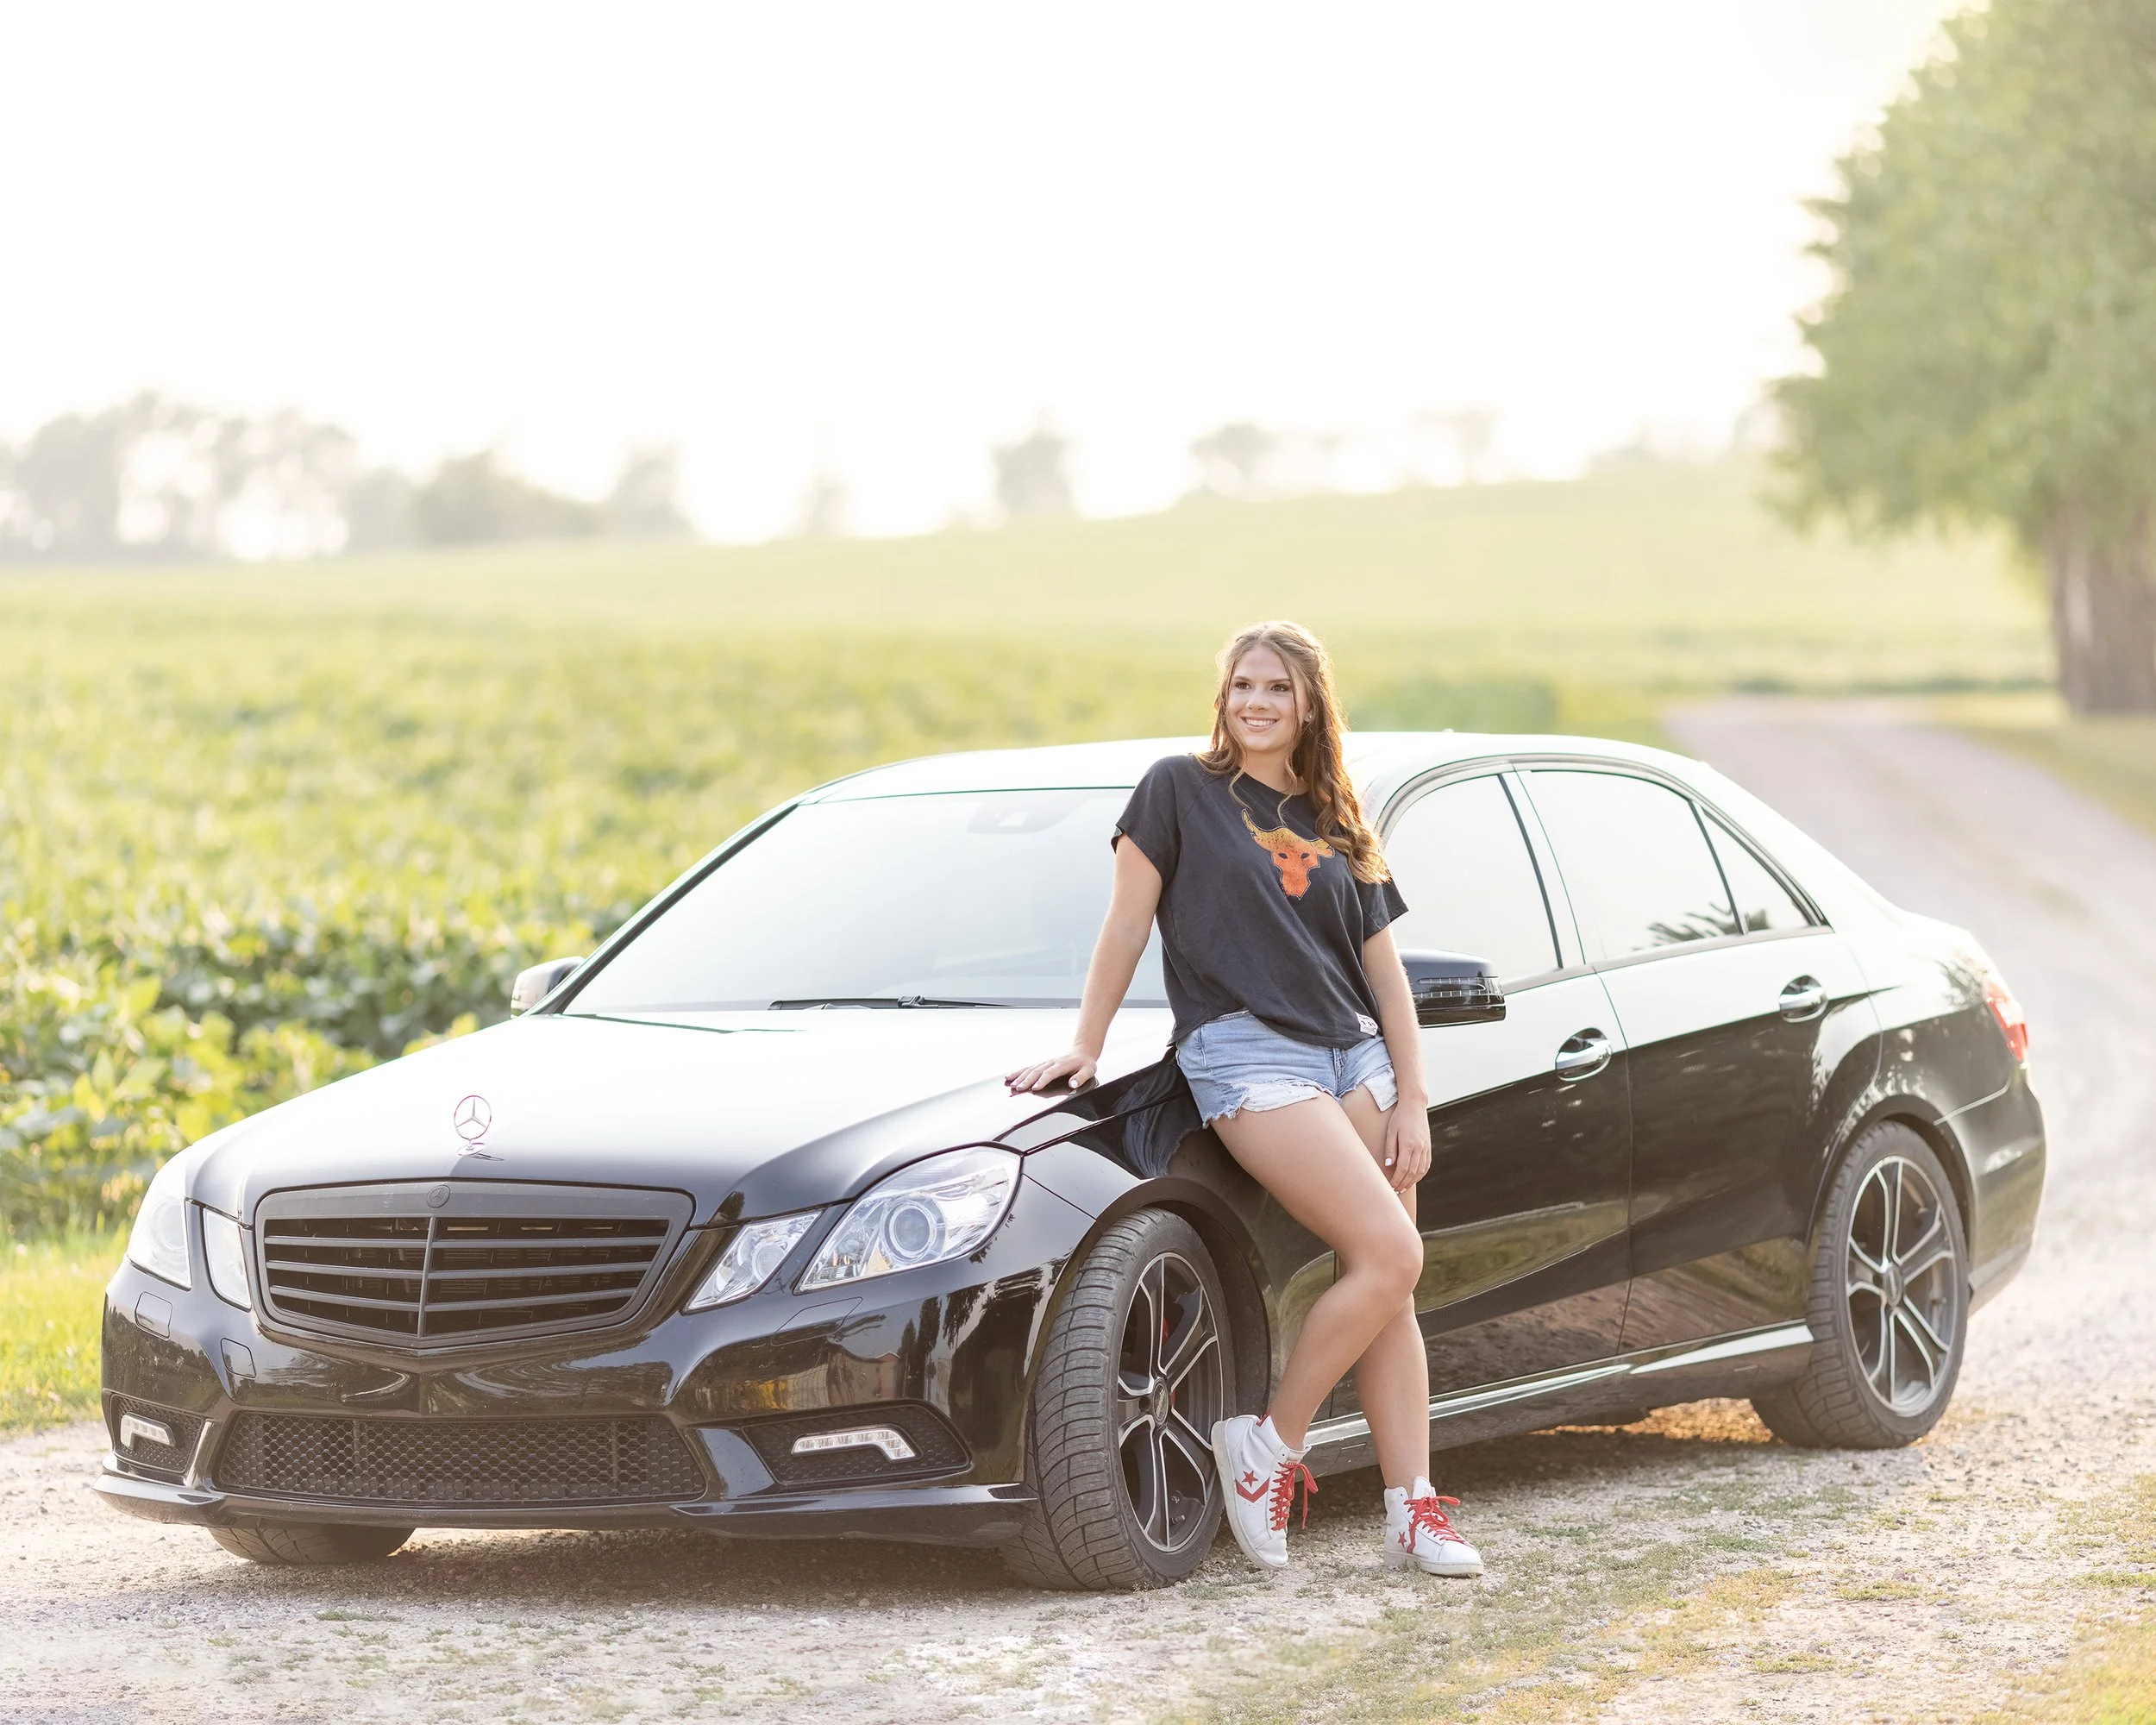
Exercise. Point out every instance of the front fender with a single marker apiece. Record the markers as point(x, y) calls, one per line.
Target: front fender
point(1255, 1248)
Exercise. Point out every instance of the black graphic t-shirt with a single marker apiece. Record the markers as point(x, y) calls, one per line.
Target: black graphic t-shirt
point(1256, 914)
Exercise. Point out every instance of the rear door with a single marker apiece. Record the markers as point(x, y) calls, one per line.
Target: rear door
point(1740, 1008)
point(1523, 1214)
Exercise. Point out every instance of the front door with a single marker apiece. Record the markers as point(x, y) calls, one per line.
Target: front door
point(1523, 1213)
point(1739, 1010)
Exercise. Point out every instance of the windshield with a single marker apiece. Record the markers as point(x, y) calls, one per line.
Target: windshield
point(982, 898)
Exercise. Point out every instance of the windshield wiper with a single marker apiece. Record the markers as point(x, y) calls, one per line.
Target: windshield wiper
point(876, 1001)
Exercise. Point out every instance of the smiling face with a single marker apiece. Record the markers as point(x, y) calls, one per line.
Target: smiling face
point(1266, 705)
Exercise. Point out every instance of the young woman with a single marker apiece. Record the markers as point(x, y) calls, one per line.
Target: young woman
point(1296, 1029)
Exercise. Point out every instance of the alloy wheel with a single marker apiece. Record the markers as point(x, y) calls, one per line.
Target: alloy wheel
point(1169, 1389)
point(1902, 1284)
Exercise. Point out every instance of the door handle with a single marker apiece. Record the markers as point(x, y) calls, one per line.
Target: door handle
point(1804, 997)
point(1582, 1056)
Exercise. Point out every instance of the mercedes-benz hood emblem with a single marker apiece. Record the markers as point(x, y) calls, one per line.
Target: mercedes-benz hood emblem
point(473, 1119)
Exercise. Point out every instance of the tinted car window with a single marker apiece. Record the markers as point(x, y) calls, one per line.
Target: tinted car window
point(993, 897)
point(1633, 849)
point(1463, 866)
point(1762, 902)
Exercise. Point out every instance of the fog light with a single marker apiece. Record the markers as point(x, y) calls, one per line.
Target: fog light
point(891, 1441)
point(134, 1426)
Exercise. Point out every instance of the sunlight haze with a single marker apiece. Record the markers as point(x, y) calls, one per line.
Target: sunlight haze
point(880, 239)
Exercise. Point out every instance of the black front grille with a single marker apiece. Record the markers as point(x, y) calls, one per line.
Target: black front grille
point(443, 1463)
point(936, 1448)
point(167, 1461)
point(439, 1263)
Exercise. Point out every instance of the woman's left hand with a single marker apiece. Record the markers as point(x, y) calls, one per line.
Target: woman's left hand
point(1407, 1143)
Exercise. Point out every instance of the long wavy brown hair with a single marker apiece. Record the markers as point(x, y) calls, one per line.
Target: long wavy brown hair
point(1318, 759)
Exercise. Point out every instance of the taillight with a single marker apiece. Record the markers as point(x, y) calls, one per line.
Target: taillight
point(2007, 1011)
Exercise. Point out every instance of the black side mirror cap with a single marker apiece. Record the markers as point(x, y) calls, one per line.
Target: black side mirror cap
point(1451, 988)
point(535, 984)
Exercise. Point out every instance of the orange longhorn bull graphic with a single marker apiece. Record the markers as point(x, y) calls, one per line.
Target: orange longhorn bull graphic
point(1292, 855)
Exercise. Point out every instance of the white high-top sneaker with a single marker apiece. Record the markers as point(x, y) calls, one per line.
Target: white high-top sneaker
point(1418, 1535)
point(1259, 1472)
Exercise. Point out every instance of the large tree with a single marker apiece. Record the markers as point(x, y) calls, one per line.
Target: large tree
point(1033, 476)
point(1988, 349)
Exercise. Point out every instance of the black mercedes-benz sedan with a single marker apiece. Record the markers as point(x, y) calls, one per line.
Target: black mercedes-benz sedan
point(734, 1226)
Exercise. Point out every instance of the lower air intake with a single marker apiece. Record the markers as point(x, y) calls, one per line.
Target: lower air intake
point(439, 1463)
point(167, 1461)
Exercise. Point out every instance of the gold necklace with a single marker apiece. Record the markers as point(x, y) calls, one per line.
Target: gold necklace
point(1280, 805)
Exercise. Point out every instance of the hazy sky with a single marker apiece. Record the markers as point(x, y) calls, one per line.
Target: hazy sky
point(893, 233)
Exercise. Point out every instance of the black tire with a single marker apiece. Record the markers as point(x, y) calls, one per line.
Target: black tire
point(310, 1543)
point(1141, 1512)
point(1889, 1304)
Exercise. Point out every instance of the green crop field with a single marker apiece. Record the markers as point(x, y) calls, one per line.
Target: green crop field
point(260, 825)
point(1649, 575)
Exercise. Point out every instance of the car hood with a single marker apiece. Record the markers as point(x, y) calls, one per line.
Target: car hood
point(751, 1114)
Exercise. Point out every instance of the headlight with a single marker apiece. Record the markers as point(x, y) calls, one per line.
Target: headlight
point(224, 1250)
point(942, 1207)
point(158, 1242)
point(749, 1259)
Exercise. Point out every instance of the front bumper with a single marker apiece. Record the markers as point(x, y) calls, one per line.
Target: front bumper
point(951, 1344)
point(923, 1515)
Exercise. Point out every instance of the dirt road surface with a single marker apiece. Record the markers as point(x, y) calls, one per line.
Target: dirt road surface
point(1686, 1568)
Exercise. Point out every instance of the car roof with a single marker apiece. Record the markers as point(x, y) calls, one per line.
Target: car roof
point(1380, 761)
point(1383, 763)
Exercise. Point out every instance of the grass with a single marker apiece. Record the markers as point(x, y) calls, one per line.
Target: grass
point(2111, 1677)
point(2112, 757)
point(49, 1308)
point(2110, 1681)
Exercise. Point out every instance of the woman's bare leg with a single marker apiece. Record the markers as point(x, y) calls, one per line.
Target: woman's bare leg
point(1311, 1156)
point(1392, 1379)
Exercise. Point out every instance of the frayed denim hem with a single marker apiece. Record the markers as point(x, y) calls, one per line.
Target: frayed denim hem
point(1260, 1098)
point(1237, 1063)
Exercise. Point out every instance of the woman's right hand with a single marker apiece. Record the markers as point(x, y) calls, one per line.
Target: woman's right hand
point(1074, 1068)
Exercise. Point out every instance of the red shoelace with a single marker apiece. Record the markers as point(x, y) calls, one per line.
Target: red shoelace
point(1424, 1517)
point(1284, 1492)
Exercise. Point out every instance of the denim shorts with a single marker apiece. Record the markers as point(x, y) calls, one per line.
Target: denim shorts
point(1237, 1063)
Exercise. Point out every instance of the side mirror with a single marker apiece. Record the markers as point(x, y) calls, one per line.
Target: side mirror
point(533, 985)
point(1450, 988)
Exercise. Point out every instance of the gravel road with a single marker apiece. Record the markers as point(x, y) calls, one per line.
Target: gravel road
point(1971, 1581)
point(1684, 1568)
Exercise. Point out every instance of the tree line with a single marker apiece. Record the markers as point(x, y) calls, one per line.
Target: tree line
point(156, 478)
point(153, 478)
